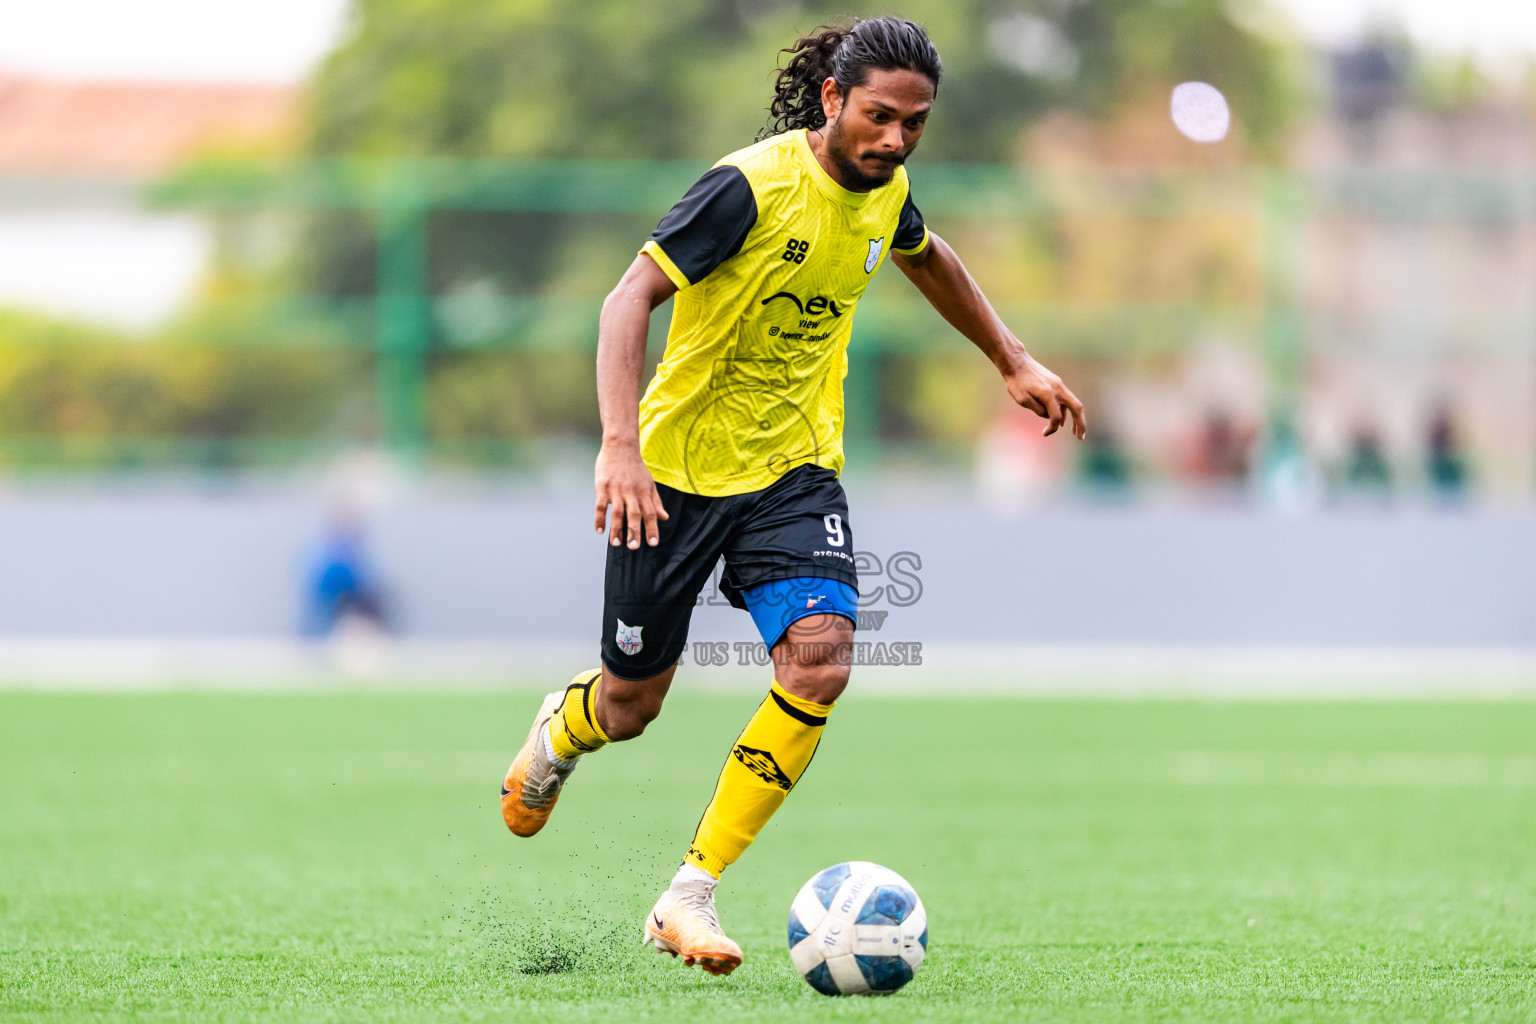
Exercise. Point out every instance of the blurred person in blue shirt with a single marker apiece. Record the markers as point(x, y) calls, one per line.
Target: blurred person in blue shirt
point(341, 585)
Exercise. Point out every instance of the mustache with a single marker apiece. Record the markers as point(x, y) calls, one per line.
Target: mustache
point(894, 160)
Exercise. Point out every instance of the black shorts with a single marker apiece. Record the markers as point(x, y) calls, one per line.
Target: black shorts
point(797, 527)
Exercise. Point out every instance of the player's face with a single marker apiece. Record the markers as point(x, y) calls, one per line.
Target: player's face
point(877, 125)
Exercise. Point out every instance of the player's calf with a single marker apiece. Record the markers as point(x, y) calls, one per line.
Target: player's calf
point(627, 706)
point(767, 760)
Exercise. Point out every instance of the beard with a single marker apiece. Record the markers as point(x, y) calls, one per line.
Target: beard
point(855, 178)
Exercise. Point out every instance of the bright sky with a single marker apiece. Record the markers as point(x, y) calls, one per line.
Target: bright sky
point(1489, 26)
point(279, 41)
point(120, 267)
point(269, 41)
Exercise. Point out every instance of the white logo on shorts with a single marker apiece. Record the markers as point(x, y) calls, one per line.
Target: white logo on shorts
point(628, 638)
point(873, 259)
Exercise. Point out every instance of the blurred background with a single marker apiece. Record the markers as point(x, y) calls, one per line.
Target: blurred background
point(298, 305)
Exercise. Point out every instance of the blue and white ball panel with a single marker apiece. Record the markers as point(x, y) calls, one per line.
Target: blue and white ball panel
point(857, 928)
point(887, 904)
point(805, 915)
point(826, 883)
point(820, 979)
point(847, 976)
point(797, 931)
point(914, 937)
point(884, 973)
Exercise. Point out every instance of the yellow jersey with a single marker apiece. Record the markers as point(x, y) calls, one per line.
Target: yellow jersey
point(770, 256)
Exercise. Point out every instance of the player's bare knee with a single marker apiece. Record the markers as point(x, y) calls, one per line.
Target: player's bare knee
point(625, 716)
point(631, 720)
point(626, 708)
point(624, 726)
point(816, 677)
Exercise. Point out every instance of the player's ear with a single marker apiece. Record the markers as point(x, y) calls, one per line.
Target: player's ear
point(831, 99)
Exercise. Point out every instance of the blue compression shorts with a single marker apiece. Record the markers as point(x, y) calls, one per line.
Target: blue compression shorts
point(778, 603)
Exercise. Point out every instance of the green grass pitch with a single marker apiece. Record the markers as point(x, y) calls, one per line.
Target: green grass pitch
point(209, 857)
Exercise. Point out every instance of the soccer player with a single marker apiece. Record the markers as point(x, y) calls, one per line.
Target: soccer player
point(736, 446)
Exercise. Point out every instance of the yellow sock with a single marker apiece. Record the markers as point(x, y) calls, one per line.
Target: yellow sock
point(574, 730)
point(767, 760)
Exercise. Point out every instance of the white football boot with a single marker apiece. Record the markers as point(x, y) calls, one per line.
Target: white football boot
point(684, 923)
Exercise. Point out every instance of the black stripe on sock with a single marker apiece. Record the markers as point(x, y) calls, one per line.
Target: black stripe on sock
point(586, 703)
point(793, 712)
point(807, 763)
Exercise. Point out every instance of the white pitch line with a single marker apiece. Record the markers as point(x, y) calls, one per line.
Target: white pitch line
point(1027, 670)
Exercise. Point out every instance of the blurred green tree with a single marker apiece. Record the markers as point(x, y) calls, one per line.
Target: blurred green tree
point(692, 80)
point(67, 386)
point(627, 78)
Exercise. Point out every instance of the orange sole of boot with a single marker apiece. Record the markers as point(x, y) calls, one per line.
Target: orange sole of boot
point(716, 962)
point(521, 820)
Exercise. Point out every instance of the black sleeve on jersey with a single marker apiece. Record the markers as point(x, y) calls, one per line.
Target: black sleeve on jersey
point(709, 224)
point(909, 227)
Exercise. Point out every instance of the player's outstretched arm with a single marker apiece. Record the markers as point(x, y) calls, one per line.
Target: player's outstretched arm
point(949, 287)
point(623, 482)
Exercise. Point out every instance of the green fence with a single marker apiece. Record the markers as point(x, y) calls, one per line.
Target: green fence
point(398, 322)
point(399, 197)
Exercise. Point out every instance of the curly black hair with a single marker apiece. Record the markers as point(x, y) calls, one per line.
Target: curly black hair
point(845, 54)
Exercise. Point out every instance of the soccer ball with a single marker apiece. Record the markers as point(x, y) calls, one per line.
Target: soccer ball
point(857, 928)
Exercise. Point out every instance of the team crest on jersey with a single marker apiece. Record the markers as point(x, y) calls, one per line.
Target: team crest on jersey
point(628, 638)
point(873, 259)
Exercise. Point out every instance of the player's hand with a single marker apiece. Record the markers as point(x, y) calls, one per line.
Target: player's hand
point(625, 485)
point(1042, 392)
